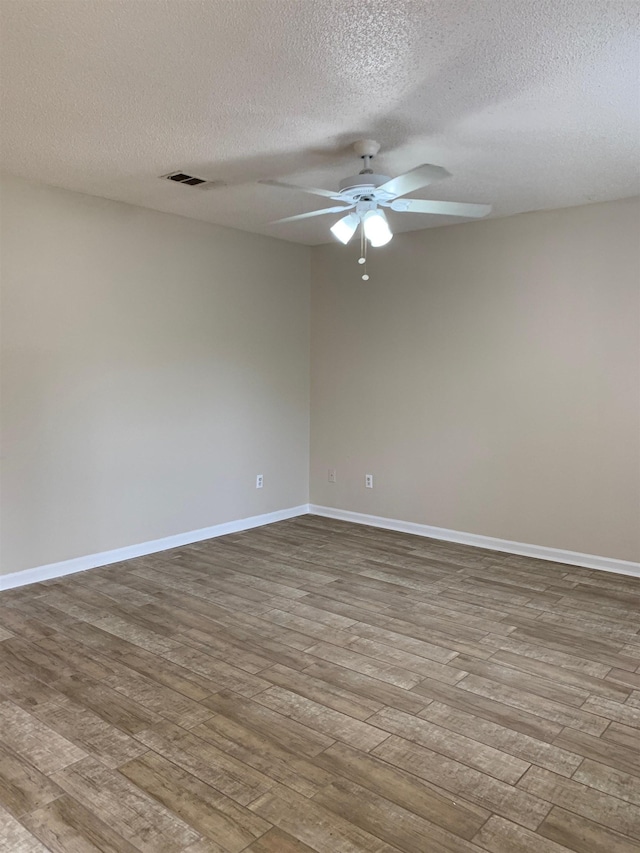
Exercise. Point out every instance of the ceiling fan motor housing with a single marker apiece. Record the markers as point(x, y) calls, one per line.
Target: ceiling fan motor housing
point(361, 186)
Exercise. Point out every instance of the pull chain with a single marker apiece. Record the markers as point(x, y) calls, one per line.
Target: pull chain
point(363, 253)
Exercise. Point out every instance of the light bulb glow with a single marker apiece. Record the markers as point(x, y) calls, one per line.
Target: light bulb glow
point(365, 277)
point(345, 228)
point(361, 260)
point(376, 228)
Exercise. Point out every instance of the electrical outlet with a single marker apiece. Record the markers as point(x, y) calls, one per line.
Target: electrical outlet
point(368, 481)
point(259, 481)
point(332, 475)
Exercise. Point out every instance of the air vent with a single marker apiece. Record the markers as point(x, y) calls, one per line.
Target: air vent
point(190, 181)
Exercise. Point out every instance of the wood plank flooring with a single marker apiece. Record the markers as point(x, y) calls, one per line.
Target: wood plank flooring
point(321, 686)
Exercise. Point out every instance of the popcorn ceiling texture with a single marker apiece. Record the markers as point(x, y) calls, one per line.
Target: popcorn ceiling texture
point(530, 104)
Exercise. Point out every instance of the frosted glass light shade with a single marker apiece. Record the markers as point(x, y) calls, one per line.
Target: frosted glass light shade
point(376, 228)
point(345, 228)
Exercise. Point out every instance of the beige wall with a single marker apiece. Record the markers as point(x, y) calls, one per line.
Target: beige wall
point(488, 376)
point(151, 367)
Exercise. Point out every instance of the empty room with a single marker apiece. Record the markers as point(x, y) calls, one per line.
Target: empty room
point(320, 426)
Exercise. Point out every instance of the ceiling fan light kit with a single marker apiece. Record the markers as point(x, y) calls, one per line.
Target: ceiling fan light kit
point(366, 194)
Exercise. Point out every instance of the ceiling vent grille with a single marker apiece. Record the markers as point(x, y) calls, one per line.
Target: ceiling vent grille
point(191, 181)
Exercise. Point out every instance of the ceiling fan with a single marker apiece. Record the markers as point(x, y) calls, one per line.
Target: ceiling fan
point(366, 194)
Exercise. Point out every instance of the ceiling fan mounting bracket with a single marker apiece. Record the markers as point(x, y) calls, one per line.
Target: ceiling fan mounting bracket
point(366, 148)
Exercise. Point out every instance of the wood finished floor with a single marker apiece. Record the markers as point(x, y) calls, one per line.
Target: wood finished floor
point(320, 686)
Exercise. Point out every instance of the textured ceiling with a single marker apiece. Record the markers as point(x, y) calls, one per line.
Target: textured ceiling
point(529, 104)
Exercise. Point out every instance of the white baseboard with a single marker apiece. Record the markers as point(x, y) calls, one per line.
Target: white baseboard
point(541, 552)
point(105, 558)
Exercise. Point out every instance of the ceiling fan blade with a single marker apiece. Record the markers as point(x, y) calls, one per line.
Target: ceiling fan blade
point(441, 208)
point(417, 178)
point(313, 213)
point(312, 190)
